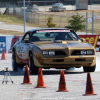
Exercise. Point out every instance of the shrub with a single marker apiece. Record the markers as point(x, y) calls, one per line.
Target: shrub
point(49, 23)
point(76, 23)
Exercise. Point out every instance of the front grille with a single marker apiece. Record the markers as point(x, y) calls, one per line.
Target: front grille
point(57, 53)
point(78, 52)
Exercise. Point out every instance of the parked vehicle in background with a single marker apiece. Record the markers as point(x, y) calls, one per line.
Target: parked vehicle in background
point(53, 48)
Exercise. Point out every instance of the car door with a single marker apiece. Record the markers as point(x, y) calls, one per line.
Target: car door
point(24, 47)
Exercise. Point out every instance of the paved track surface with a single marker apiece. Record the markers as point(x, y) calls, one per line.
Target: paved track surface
point(20, 28)
point(75, 83)
point(15, 27)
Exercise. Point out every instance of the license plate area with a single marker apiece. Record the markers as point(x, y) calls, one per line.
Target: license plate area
point(81, 59)
point(58, 60)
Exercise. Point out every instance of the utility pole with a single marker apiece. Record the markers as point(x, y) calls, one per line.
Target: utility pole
point(86, 23)
point(92, 22)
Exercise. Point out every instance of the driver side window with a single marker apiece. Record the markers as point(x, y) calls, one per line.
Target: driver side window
point(27, 37)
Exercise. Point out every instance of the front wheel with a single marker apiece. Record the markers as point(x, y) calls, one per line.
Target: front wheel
point(89, 69)
point(32, 68)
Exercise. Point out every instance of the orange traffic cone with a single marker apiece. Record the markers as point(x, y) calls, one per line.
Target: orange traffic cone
point(62, 83)
point(26, 76)
point(3, 55)
point(40, 82)
point(89, 87)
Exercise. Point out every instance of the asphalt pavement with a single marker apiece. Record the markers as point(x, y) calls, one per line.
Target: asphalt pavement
point(75, 83)
point(15, 27)
point(20, 28)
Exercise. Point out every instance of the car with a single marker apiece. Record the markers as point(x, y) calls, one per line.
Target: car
point(59, 48)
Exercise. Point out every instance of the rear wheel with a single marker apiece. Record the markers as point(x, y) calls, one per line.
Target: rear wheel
point(89, 69)
point(32, 68)
point(14, 64)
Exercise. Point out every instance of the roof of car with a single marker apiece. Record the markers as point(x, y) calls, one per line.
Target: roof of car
point(46, 29)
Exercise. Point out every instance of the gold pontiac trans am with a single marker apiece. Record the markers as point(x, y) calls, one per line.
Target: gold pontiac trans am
point(58, 48)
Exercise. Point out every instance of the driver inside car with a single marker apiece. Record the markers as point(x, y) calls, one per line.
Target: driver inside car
point(61, 36)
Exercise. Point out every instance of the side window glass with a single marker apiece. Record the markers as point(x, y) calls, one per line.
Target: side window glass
point(27, 36)
point(72, 35)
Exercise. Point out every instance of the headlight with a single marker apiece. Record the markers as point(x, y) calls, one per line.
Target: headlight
point(45, 52)
point(83, 52)
point(89, 52)
point(51, 52)
point(48, 53)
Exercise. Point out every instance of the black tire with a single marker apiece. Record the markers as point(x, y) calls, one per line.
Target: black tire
point(32, 68)
point(89, 69)
point(15, 66)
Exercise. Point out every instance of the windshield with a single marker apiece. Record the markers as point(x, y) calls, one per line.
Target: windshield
point(51, 35)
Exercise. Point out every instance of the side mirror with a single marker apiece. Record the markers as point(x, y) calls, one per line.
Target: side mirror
point(24, 41)
point(82, 39)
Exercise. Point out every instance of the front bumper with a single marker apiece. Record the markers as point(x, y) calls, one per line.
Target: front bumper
point(69, 61)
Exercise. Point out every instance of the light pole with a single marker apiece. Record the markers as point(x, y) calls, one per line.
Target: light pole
point(24, 14)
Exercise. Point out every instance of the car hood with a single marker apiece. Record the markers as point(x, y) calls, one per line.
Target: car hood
point(70, 45)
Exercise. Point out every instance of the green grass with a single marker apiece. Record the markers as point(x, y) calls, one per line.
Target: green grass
point(10, 19)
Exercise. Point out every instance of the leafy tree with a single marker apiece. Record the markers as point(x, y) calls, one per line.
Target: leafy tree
point(76, 23)
point(49, 23)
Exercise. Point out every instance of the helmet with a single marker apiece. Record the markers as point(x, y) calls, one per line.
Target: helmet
point(61, 34)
